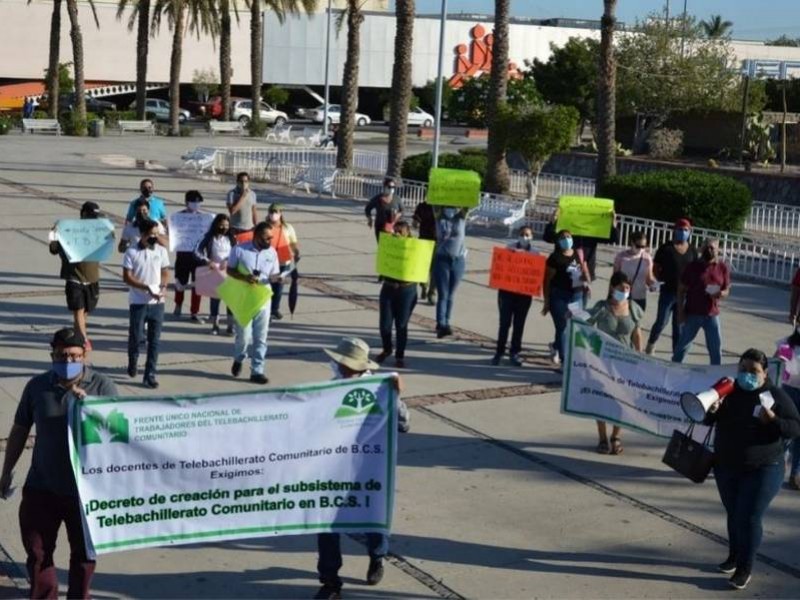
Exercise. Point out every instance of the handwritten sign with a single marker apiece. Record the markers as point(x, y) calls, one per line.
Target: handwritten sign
point(454, 187)
point(404, 258)
point(586, 216)
point(207, 280)
point(86, 240)
point(187, 229)
point(244, 299)
point(517, 271)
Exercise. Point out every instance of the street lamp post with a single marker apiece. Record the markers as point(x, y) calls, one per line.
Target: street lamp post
point(437, 126)
point(327, 71)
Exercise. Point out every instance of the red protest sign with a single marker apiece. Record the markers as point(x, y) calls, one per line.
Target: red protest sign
point(517, 271)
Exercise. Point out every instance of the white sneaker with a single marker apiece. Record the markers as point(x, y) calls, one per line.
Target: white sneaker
point(553, 354)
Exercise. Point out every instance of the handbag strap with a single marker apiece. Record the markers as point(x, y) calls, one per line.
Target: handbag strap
point(708, 436)
point(638, 268)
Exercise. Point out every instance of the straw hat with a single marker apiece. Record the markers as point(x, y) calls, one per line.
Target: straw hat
point(353, 353)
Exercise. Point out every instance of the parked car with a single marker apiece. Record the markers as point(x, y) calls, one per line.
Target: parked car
point(160, 110)
point(335, 114)
point(242, 111)
point(66, 103)
point(417, 116)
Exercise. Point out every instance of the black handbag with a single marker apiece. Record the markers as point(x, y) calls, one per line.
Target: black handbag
point(688, 457)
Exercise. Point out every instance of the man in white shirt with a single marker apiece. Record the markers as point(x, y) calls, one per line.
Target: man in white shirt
point(256, 263)
point(145, 272)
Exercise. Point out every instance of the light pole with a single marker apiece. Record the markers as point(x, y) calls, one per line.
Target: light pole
point(327, 69)
point(437, 126)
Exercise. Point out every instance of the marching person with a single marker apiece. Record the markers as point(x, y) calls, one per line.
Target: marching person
point(284, 241)
point(50, 495)
point(668, 265)
point(752, 423)
point(788, 351)
point(514, 308)
point(145, 270)
point(213, 252)
point(449, 262)
point(130, 231)
point(351, 360)
point(703, 284)
point(566, 282)
point(241, 202)
point(185, 265)
point(397, 301)
point(157, 205)
point(424, 220)
point(387, 209)
point(81, 280)
point(255, 262)
point(637, 264)
point(618, 317)
point(586, 247)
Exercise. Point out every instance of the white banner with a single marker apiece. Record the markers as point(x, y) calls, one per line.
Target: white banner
point(606, 380)
point(187, 229)
point(181, 470)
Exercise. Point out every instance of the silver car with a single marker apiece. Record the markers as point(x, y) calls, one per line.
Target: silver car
point(160, 109)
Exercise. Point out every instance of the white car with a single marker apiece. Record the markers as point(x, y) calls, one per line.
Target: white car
point(242, 111)
point(335, 114)
point(417, 116)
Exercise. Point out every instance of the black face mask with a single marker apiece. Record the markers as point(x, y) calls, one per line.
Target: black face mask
point(152, 241)
point(147, 193)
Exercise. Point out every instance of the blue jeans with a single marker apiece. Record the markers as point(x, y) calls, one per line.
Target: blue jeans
point(693, 324)
point(746, 496)
point(513, 310)
point(396, 305)
point(151, 315)
point(667, 305)
point(793, 446)
point(214, 307)
point(255, 335)
point(330, 554)
point(447, 273)
point(559, 299)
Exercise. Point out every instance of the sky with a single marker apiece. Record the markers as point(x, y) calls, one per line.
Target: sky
point(752, 19)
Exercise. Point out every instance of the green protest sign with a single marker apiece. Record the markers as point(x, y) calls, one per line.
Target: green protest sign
point(454, 187)
point(586, 216)
point(404, 258)
point(243, 298)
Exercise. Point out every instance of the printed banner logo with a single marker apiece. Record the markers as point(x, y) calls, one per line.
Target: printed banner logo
point(591, 342)
point(358, 402)
point(97, 429)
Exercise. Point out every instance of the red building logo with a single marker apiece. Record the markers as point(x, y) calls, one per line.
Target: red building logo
point(476, 59)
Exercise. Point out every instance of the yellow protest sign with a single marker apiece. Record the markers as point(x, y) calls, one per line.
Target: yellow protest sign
point(243, 298)
point(586, 216)
point(454, 187)
point(404, 258)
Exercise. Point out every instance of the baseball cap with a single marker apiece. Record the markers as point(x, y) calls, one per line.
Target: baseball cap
point(683, 223)
point(275, 207)
point(68, 337)
point(90, 208)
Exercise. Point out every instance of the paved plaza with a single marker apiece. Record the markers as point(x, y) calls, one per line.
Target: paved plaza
point(498, 494)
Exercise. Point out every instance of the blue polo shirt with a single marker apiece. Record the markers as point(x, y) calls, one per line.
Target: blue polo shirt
point(158, 209)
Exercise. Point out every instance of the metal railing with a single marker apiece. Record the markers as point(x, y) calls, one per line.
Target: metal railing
point(777, 219)
point(256, 160)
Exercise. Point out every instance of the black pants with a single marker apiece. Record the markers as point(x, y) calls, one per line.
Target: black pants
point(396, 304)
point(513, 310)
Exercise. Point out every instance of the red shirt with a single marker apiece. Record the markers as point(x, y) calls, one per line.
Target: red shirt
point(696, 277)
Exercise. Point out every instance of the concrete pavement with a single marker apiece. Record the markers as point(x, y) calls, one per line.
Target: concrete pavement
point(499, 495)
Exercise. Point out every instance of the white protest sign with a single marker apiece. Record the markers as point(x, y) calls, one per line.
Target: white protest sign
point(90, 240)
point(181, 470)
point(606, 380)
point(187, 229)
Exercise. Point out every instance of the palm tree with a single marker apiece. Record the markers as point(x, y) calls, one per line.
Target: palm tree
point(401, 86)
point(51, 78)
point(347, 121)
point(497, 180)
point(606, 96)
point(79, 110)
point(225, 69)
point(140, 17)
point(715, 27)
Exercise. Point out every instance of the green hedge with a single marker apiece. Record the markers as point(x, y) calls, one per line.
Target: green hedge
point(417, 167)
point(113, 117)
point(709, 200)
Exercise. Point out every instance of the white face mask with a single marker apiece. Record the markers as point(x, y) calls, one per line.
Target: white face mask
point(275, 217)
point(524, 242)
point(193, 206)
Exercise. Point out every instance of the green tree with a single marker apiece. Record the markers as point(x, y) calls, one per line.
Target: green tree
point(204, 82)
point(716, 27)
point(276, 96)
point(607, 95)
point(401, 86)
point(468, 103)
point(139, 18)
point(224, 8)
point(347, 120)
point(497, 179)
point(79, 108)
point(52, 72)
point(784, 40)
point(427, 95)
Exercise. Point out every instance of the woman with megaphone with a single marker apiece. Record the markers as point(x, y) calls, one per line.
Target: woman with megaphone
point(752, 423)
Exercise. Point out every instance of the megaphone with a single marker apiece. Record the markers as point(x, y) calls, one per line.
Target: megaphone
point(696, 405)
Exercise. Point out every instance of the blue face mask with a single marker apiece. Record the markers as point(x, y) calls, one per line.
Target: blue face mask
point(619, 295)
point(747, 381)
point(449, 213)
point(681, 235)
point(67, 371)
point(565, 243)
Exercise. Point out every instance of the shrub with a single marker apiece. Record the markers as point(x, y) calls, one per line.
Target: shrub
point(40, 114)
point(258, 128)
point(72, 125)
point(708, 199)
point(417, 167)
point(665, 143)
point(186, 131)
point(5, 125)
point(113, 117)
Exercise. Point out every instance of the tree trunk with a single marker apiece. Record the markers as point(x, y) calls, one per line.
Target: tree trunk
point(79, 110)
point(401, 86)
point(51, 84)
point(142, 41)
point(225, 58)
point(606, 96)
point(497, 179)
point(175, 67)
point(347, 122)
point(783, 127)
point(256, 58)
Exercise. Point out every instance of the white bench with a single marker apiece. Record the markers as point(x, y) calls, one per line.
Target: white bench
point(321, 178)
point(140, 126)
point(310, 137)
point(34, 125)
point(215, 127)
point(201, 158)
point(280, 133)
point(495, 209)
